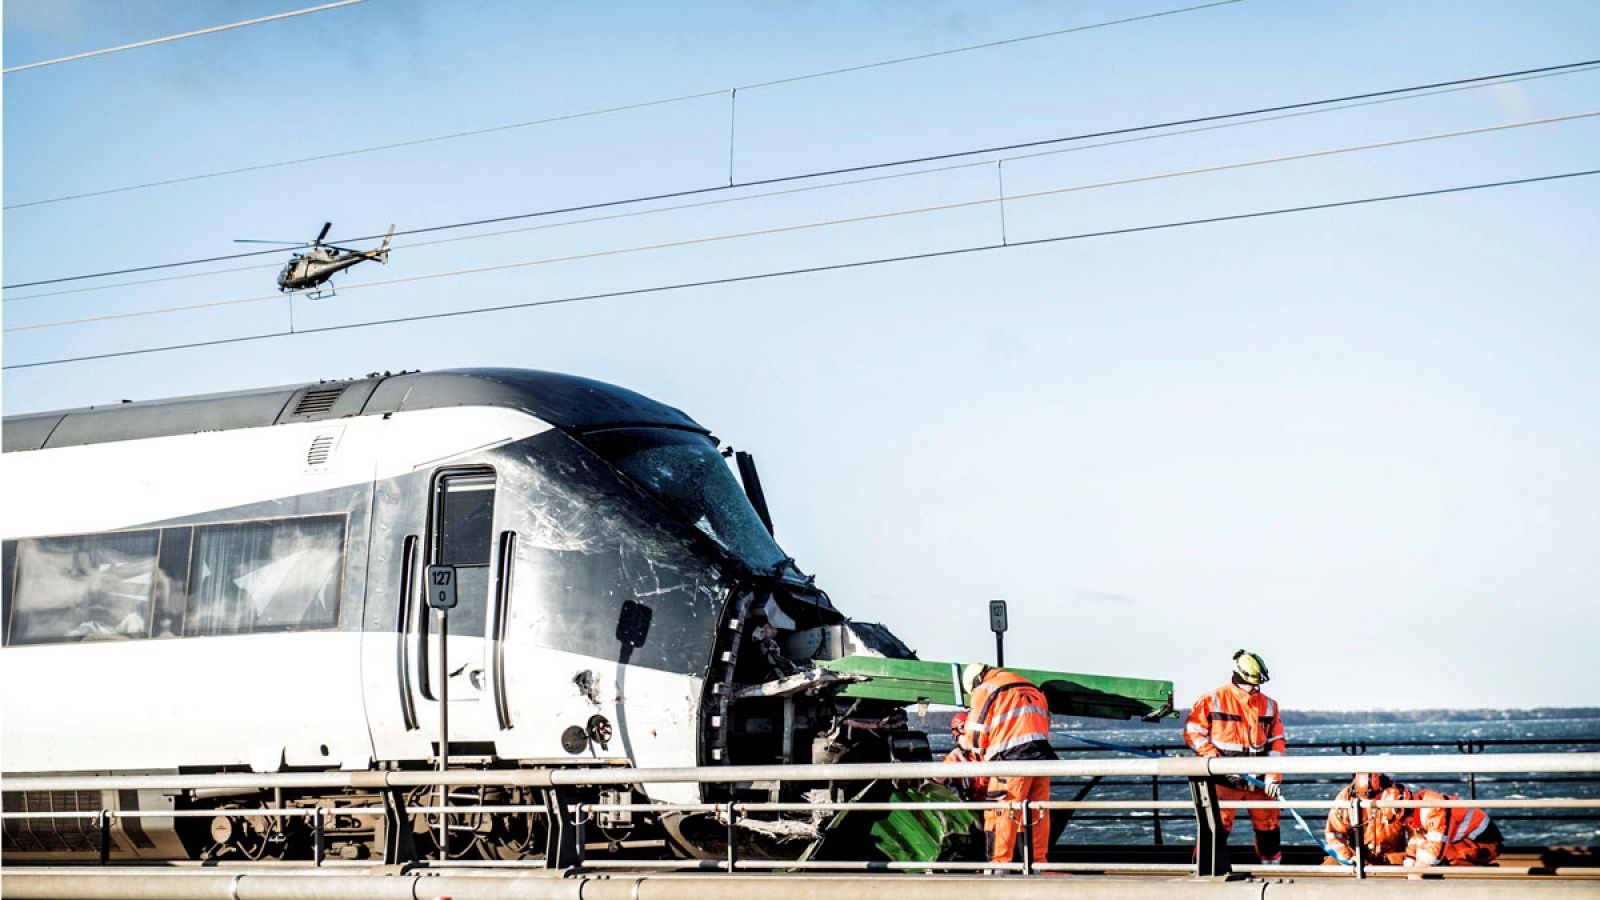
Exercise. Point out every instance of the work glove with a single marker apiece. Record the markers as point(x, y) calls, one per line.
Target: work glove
point(1237, 782)
point(1273, 790)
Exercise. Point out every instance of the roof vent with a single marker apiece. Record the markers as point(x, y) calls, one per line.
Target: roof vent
point(317, 401)
point(321, 449)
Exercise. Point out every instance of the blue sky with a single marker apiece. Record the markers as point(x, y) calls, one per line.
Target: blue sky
point(1362, 442)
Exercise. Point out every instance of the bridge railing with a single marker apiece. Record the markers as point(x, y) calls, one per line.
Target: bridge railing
point(574, 818)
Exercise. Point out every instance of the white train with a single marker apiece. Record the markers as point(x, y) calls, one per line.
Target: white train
point(231, 582)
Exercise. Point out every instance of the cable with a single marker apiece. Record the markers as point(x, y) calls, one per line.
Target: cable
point(804, 226)
point(837, 184)
point(832, 267)
point(599, 112)
point(672, 195)
point(179, 37)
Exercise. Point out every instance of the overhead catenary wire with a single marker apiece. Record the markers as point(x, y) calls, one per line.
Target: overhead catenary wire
point(808, 270)
point(674, 195)
point(866, 217)
point(849, 183)
point(732, 91)
point(178, 37)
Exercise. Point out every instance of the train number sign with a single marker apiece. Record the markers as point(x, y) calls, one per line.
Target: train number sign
point(442, 587)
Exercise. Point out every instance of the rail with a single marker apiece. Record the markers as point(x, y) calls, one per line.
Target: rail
point(1199, 773)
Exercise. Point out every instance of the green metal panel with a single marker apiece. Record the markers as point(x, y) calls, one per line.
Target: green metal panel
point(1069, 693)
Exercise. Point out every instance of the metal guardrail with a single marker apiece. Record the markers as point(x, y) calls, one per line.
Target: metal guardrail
point(1199, 772)
point(1349, 747)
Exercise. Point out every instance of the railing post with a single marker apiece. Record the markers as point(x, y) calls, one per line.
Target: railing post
point(733, 837)
point(563, 845)
point(1027, 837)
point(1155, 812)
point(1358, 823)
point(318, 836)
point(1211, 841)
point(104, 820)
point(398, 845)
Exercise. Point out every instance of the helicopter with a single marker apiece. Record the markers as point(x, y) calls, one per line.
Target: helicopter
point(318, 264)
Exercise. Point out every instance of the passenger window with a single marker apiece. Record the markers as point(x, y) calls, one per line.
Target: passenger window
point(172, 580)
point(87, 587)
point(277, 575)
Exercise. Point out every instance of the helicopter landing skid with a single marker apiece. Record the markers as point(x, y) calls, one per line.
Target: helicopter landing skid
point(319, 293)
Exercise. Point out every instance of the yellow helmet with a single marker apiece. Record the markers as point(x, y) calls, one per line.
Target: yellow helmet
point(971, 674)
point(1249, 668)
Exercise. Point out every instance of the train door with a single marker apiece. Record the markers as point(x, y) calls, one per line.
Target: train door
point(460, 533)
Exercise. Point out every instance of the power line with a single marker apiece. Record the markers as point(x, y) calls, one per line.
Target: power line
point(736, 279)
point(837, 184)
point(989, 45)
point(178, 37)
point(805, 226)
point(588, 113)
point(850, 170)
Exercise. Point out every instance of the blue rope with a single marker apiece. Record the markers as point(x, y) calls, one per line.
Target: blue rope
point(1250, 778)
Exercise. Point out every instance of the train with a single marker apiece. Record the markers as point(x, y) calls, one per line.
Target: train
point(235, 583)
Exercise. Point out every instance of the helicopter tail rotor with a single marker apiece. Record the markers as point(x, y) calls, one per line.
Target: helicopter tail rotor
point(382, 253)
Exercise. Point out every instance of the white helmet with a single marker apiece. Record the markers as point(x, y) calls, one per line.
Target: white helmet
point(971, 674)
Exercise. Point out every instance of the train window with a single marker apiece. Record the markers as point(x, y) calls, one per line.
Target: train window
point(278, 575)
point(7, 586)
point(172, 579)
point(684, 471)
point(86, 587)
point(464, 517)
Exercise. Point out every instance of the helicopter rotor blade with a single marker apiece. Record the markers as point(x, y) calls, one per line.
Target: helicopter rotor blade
point(323, 233)
point(259, 241)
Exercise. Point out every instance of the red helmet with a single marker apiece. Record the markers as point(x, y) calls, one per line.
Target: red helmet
point(958, 723)
point(1370, 784)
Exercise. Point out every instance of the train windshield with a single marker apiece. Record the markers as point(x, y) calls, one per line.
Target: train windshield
point(685, 472)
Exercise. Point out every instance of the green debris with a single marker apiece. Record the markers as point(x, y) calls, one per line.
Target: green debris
point(1069, 693)
point(903, 835)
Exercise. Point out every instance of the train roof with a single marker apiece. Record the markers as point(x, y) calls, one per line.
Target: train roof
point(567, 402)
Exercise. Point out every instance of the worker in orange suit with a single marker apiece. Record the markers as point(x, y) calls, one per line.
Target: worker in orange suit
point(1449, 836)
point(1238, 720)
point(1383, 829)
point(967, 788)
point(1008, 718)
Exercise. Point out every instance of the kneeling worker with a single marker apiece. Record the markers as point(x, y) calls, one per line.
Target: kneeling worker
point(1383, 830)
point(1009, 719)
point(1446, 835)
point(1238, 720)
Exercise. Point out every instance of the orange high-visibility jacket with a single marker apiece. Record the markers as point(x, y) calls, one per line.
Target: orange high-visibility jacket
point(1008, 714)
point(1230, 722)
point(1383, 830)
point(1439, 827)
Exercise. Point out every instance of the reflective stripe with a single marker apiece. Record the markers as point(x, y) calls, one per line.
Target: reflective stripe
point(1274, 752)
point(977, 727)
point(1196, 727)
point(1462, 834)
point(1020, 711)
point(1425, 858)
point(1436, 837)
point(1272, 709)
